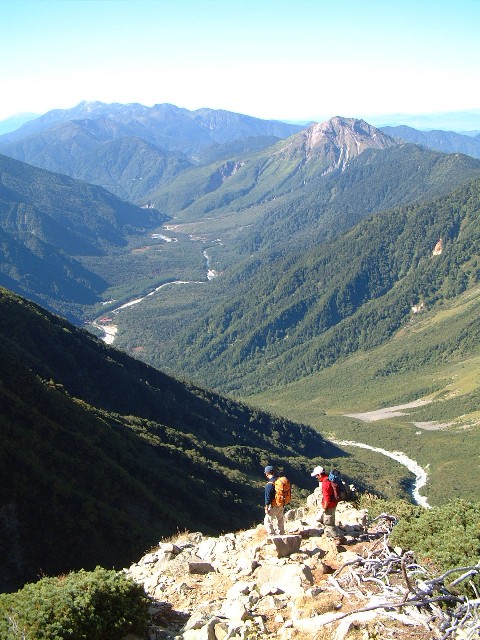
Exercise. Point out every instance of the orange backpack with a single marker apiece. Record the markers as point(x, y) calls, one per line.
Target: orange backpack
point(283, 492)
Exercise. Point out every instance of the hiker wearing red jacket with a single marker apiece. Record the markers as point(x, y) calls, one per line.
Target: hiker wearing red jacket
point(329, 502)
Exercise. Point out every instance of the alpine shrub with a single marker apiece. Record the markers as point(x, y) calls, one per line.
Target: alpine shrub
point(442, 538)
point(447, 536)
point(96, 605)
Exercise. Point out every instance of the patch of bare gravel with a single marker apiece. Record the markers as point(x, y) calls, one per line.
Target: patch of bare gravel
point(388, 412)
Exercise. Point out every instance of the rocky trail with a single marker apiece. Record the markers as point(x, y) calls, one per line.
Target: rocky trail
point(302, 585)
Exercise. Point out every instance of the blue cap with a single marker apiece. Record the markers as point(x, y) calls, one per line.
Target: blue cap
point(268, 469)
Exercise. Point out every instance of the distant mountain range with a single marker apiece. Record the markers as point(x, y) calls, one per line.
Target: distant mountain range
point(464, 122)
point(445, 141)
point(166, 125)
point(129, 149)
point(133, 150)
point(14, 122)
point(459, 121)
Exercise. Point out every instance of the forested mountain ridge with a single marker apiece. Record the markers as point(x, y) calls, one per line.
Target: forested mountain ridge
point(286, 317)
point(102, 455)
point(259, 244)
point(47, 221)
point(101, 152)
point(308, 188)
point(289, 164)
point(375, 180)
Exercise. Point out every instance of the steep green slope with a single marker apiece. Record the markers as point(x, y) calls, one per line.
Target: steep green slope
point(130, 168)
point(34, 267)
point(74, 216)
point(101, 152)
point(375, 180)
point(299, 313)
point(48, 222)
point(102, 455)
point(242, 146)
point(435, 358)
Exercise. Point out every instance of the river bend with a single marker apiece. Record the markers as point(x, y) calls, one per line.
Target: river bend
point(414, 467)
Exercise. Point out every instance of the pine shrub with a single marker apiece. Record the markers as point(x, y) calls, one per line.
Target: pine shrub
point(448, 536)
point(97, 605)
point(443, 538)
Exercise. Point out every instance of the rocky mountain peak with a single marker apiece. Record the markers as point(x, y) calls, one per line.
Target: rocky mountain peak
point(350, 135)
point(337, 141)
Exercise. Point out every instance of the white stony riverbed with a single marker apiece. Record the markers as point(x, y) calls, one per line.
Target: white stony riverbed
point(420, 473)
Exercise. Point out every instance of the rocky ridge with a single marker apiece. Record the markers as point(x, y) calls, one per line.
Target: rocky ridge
point(300, 585)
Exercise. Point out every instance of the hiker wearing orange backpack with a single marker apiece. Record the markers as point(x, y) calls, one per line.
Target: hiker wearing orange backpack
point(277, 495)
point(329, 501)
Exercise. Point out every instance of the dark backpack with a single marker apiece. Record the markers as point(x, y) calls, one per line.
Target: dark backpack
point(340, 490)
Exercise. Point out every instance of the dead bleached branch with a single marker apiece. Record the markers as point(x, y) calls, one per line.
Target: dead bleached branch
point(401, 583)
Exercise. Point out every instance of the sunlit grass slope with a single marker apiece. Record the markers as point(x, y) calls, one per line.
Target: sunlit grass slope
point(435, 358)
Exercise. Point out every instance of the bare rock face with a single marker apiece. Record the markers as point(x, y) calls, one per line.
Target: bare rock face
point(226, 170)
point(438, 248)
point(248, 584)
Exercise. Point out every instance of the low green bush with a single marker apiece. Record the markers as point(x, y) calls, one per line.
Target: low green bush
point(442, 538)
point(449, 535)
point(95, 605)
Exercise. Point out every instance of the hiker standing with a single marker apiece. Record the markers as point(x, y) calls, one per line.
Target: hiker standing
point(329, 502)
point(273, 521)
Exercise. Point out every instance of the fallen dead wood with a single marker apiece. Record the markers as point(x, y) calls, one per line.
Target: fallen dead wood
point(396, 577)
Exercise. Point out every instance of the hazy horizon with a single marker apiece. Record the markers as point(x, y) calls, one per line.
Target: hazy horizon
point(309, 60)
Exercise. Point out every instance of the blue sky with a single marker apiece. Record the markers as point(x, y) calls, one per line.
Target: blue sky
point(283, 59)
